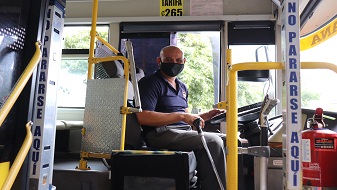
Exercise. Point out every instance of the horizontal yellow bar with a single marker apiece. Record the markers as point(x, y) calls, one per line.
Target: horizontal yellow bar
point(256, 66)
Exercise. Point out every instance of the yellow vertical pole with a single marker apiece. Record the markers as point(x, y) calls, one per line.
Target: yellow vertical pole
point(126, 89)
point(4, 169)
point(92, 38)
point(228, 62)
point(232, 140)
point(228, 100)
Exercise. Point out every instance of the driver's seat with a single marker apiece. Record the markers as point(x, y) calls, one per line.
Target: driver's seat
point(137, 166)
point(143, 167)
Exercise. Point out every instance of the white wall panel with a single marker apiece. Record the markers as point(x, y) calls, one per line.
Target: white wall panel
point(145, 8)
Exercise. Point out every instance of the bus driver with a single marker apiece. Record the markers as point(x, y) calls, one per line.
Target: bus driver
point(164, 102)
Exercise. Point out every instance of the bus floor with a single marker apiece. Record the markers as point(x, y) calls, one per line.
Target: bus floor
point(67, 177)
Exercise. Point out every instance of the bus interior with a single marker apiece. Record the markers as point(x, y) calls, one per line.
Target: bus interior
point(70, 69)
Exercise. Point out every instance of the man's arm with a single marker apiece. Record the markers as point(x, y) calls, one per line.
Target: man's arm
point(210, 114)
point(158, 119)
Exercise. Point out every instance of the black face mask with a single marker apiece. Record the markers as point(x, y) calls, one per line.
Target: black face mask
point(171, 69)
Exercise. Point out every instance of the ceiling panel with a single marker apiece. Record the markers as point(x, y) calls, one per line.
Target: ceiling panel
point(325, 11)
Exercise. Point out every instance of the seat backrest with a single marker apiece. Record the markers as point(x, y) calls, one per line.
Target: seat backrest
point(114, 70)
point(102, 119)
point(109, 69)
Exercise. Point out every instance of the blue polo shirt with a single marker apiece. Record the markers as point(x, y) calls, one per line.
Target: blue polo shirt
point(158, 95)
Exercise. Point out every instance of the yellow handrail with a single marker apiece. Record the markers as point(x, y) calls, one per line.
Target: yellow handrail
point(232, 142)
point(20, 84)
point(17, 89)
point(319, 65)
point(15, 168)
point(93, 60)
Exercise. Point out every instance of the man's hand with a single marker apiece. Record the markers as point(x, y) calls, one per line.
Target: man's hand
point(212, 113)
point(189, 118)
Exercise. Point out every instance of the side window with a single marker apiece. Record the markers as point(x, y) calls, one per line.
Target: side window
point(317, 85)
point(202, 67)
point(74, 65)
point(200, 42)
point(201, 71)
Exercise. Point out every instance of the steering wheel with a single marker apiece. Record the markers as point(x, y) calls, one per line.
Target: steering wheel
point(246, 114)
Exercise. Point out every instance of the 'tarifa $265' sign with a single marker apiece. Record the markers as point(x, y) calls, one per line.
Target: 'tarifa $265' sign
point(171, 7)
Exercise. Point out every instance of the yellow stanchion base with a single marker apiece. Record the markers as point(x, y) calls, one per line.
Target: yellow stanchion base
point(83, 165)
point(4, 169)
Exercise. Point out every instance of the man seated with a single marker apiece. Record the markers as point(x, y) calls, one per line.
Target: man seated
point(164, 102)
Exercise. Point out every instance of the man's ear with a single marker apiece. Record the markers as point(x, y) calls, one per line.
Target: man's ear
point(158, 60)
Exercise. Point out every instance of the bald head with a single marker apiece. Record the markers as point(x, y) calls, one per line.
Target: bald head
point(171, 54)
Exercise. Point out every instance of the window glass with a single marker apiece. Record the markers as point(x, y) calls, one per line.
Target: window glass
point(78, 37)
point(72, 83)
point(74, 65)
point(253, 92)
point(201, 71)
point(317, 85)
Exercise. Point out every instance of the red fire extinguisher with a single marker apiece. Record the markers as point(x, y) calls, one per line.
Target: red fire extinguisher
point(319, 153)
